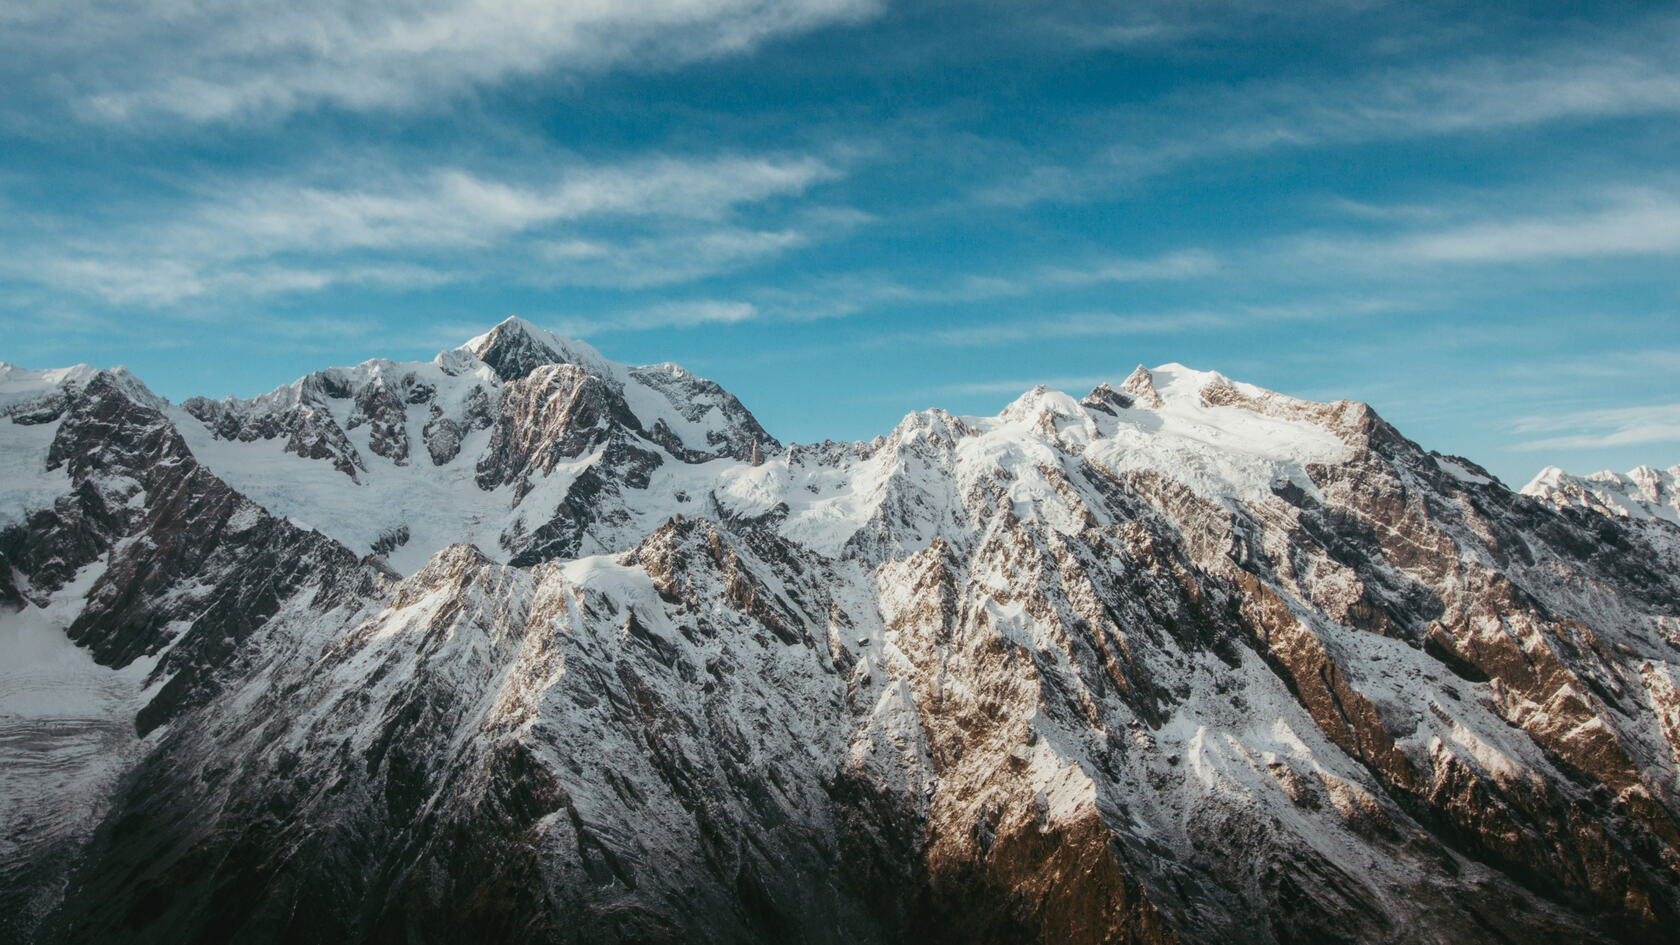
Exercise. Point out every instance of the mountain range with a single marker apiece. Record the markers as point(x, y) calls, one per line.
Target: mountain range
point(524, 645)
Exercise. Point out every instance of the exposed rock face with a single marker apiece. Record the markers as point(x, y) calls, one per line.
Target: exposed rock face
point(303, 422)
point(1183, 661)
point(174, 576)
point(531, 441)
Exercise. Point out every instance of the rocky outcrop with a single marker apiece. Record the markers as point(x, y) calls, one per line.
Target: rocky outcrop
point(556, 413)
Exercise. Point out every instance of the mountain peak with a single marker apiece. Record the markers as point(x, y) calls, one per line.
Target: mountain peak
point(1039, 401)
point(515, 348)
point(1086, 648)
point(19, 385)
point(1140, 384)
point(1106, 399)
point(1644, 492)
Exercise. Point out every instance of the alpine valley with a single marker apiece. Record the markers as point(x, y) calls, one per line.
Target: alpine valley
point(523, 645)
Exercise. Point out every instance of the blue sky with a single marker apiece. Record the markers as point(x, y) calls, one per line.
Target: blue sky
point(843, 210)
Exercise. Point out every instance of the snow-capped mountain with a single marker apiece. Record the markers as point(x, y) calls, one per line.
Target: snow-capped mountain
point(522, 644)
point(519, 441)
point(1643, 493)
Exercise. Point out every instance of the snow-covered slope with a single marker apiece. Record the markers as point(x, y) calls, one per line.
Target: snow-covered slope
point(525, 645)
point(487, 443)
point(682, 444)
point(1643, 493)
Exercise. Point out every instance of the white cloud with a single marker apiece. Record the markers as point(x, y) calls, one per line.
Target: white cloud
point(1597, 429)
point(452, 207)
point(165, 281)
point(688, 313)
point(1149, 22)
point(663, 259)
point(1634, 73)
point(1636, 76)
point(859, 291)
point(653, 221)
point(1616, 365)
point(1097, 324)
point(1641, 222)
point(215, 60)
point(1185, 264)
point(119, 281)
point(1081, 324)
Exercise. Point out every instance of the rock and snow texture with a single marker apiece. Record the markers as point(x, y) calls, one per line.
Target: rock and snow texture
point(525, 645)
point(488, 444)
point(1643, 493)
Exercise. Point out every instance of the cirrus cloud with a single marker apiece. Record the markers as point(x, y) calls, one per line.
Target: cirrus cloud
point(650, 221)
point(219, 60)
point(1598, 429)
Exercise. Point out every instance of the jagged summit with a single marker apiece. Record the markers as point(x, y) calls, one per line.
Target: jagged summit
point(490, 442)
point(1104, 397)
point(1644, 492)
point(515, 348)
point(21, 386)
point(1040, 400)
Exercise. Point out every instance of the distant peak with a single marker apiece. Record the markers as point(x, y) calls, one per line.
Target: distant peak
point(1643, 492)
point(1040, 400)
point(18, 385)
point(1141, 386)
point(1105, 398)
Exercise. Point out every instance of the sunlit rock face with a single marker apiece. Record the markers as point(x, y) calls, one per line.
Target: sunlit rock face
point(523, 645)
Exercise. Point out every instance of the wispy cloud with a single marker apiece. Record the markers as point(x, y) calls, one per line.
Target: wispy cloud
point(1184, 264)
point(1077, 325)
point(164, 281)
point(453, 207)
point(217, 60)
point(1626, 222)
point(1099, 324)
point(1636, 224)
point(1633, 73)
point(647, 265)
point(650, 221)
point(1152, 22)
point(1599, 429)
point(687, 313)
point(663, 259)
point(1645, 362)
point(858, 292)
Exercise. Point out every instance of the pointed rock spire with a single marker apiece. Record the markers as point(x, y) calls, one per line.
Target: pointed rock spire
point(1141, 385)
point(1105, 398)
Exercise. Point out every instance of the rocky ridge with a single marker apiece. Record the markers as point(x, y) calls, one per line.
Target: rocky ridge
point(581, 654)
point(1642, 493)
